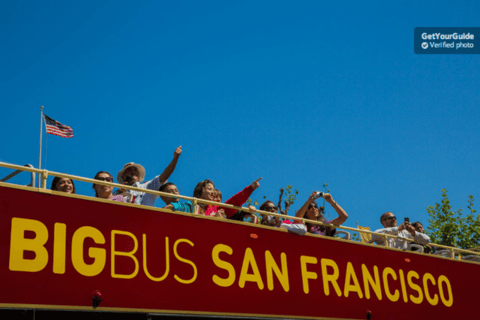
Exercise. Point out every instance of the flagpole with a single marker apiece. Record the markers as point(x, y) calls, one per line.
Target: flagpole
point(40, 149)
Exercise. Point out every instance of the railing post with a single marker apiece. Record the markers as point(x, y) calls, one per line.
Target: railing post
point(44, 179)
point(452, 253)
point(385, 240)
point(32, 176)
point(195, 205)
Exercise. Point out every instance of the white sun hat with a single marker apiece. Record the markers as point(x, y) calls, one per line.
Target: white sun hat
point(140, 168)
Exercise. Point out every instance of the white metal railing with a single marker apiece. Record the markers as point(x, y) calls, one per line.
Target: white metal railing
point(13, 174)
point(196, 201)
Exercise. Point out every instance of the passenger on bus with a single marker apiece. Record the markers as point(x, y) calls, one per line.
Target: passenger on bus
point(419, 228)
point(267, 220)
point(103, 191)
point(206, 190)
point(217, 197)
point(311, 211)
point(63, 184)
point(249, 216)
point(133, 174)
point(274, 221)
point(173, 203)
point(405, 230)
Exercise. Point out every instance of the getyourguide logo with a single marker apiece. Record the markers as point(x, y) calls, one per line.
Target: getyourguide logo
point(446, 40)
point(452, 36)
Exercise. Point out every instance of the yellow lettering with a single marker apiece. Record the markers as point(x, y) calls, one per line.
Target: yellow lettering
point(167, 260)
point(441, 280)
point(194, 277)
point(355, 287)
point(428, 277)
point(227, 282)
point(368, 281)
point(282, 276)
point(249, 260)
point(419, 299)
point(59, 248)
point(305, 273)
point(392, 297)
point(124, 254)
point(98, 254)
point(402, 285)
point(330, 277)
point(18, 245)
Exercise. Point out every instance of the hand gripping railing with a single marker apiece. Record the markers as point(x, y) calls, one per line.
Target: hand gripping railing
point(196, 203)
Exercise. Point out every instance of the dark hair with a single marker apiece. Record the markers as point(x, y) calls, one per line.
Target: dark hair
point(96, 176)
point(264, 205)
point(56, 179)
point(383, 216)
point(165, 185)
point(199, 189)
point(416, 223)
point(311, 205)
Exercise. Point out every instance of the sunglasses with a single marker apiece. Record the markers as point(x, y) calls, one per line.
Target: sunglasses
point(271, 208)
point(107, 179)
point(390, 218)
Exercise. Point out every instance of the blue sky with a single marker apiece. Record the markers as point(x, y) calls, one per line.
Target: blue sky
point(300, 93)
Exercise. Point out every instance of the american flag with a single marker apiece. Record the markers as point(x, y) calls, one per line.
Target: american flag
point(58, 129)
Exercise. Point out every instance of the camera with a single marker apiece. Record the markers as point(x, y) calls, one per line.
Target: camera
point(407, 220)
point(319, 194)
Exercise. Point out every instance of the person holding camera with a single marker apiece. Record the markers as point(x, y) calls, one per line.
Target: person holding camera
point(405, 230)
point(311, 211)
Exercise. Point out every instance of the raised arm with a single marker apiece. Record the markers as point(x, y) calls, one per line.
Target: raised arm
point(240, 198)
point(171, 167)
point(342, 215)
point(301, 213)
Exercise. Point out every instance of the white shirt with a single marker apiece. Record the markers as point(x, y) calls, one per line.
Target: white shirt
point(399, 243)
point(298, 228)
point(143, 198)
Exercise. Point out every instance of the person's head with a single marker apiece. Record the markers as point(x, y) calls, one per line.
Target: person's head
point(204, 190)
point(102, 191)
point(268, 206)
point(169, 187)
point(313, 212)
point(217, 196)
point(131, 173)
point(388, 220)
point(418, 226)
point(63, 184)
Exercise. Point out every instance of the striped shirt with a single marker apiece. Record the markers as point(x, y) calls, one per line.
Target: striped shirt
point(143, 198)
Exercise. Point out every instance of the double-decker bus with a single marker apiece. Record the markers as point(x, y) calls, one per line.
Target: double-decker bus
point(78, 256)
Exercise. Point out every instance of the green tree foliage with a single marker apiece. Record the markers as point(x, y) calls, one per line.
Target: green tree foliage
point(290, 197)
point(451, 228)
